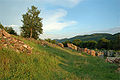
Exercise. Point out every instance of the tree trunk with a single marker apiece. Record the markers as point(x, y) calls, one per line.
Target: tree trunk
point(31, 33)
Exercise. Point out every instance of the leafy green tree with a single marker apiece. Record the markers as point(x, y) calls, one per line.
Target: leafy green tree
point(10, 30)
point(51, 41)
point(103, 43)
point(1, 26)
point(77, 42)
point(84, 44)
point(48, 40)
point(92, 44)
point(116, 42)
point(32, 24)
point(65, 43)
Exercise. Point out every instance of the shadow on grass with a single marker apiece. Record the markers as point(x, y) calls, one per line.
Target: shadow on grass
point(86, 68)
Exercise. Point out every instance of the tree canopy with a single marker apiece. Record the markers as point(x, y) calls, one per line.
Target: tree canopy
point(1, 26)
point(32, 24)
point(10, 30)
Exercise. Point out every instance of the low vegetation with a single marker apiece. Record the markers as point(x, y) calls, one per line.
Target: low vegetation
point(112, 43)
point(53, 63)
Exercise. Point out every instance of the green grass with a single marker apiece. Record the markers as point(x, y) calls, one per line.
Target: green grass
point(53, 63)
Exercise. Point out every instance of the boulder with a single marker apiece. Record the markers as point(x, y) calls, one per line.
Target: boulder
point(80, 49)
point(99, 53)
point(110, 53)
point(113, 60)
point(61, 45)
point(75, 47)
point(88, 51)
point(5, 33)
point(93, 53)
point(85, 50)
point(117, 54)
point(72, 46)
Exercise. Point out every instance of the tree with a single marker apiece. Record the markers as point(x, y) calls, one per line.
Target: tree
point(48, 40)
point(1, 26)
point(32, 24)
point(10, 30)
point(116, 42)
point(77, 42)
point(65, 43)
point(51, 41)
point(103, 43)
point(91, 44)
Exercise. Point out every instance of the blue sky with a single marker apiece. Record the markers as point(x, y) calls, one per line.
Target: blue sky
point(65, 18)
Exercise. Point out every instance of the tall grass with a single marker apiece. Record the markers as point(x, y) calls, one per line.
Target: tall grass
point(53, 63)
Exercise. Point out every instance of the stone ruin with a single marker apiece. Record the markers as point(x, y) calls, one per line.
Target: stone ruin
point(72, 46)
point(6, 40)
point(115, 60)
point(61, 45)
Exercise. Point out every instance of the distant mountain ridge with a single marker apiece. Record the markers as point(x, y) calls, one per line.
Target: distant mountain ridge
point(95, 36)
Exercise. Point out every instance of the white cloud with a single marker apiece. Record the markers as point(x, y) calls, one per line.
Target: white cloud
point(110, 30)
point(54, 21)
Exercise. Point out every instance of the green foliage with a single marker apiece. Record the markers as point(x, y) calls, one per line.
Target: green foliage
point(1, 26)
point(32, 24)
point(115, 43)
point(77, 42)
point(53, 63)
point(95, 37)
point(10, 30)
point(51, 41)
point(65, 43)
point(89, 44)
point(103, 43)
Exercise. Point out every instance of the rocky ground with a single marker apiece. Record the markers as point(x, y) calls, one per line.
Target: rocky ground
point(6, 40)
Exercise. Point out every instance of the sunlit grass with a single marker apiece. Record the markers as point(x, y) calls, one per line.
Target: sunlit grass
point(53, 63)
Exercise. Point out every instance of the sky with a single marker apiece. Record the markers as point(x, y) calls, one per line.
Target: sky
point(65, 18)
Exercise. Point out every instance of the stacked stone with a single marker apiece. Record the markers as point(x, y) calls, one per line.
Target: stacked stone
point(6, 40)
point(113, 60)
point(61, 45)
point(72, 46)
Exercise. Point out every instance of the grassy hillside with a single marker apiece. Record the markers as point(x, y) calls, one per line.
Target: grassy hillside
point(96, 37)
point(53, 63)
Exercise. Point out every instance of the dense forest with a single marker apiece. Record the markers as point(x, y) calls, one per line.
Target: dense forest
point(93, 41)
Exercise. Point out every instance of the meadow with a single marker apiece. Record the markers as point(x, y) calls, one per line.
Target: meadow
point(53, 63)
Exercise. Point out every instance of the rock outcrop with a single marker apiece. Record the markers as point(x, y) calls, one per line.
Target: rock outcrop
point(61, 45)
point(72, 46)
point(6, 40)
point(115, 60)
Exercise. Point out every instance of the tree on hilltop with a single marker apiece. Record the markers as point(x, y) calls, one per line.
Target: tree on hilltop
point(32, 24)
point(10, 30)
point(1, 26)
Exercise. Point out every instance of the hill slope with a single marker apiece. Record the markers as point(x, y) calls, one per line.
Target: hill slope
point(96, 37)
point(53, 63)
